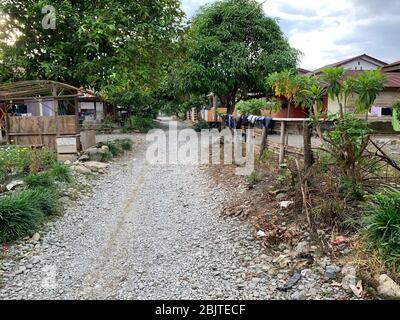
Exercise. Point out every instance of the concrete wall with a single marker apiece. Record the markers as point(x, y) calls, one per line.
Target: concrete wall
point(386, 99)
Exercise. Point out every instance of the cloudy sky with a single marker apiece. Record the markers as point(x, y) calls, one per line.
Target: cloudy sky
point(327, 31)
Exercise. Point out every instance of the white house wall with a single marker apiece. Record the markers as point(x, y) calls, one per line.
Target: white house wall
point(99, 111)
point(360, 64)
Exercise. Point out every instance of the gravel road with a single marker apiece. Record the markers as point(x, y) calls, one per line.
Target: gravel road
point(147, 232)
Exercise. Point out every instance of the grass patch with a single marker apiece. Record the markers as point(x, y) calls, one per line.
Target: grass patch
point(43, 180)
point(45, 200)
point(19, 217)
point(253, 178)
point(61, 173)
point(125, 144)
point(134, 123)
point(382, 225)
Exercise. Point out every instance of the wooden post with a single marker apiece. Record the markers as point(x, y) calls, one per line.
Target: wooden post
point(282, 143)
point(308, 154)
point(264, 139)
point(76, 103)
point(55, 109)
point(8, 139)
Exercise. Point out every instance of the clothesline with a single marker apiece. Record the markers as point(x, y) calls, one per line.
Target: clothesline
point(238, 122)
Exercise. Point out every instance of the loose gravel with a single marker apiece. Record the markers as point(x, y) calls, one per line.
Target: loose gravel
point(148, 232)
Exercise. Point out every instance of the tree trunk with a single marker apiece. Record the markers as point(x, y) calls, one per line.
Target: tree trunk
point(341, 109)
point(264, 141)
point(308, 154)
point(282, 143)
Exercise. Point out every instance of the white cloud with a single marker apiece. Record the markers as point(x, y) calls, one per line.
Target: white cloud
point(327, 31)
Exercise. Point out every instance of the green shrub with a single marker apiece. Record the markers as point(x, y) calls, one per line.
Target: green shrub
point(45, 200)
point(106, 157)
point(62, 173)
point(382, 225)
point(113, 147)
point(253, 178)
point(251, 107)
point(351, 190)
point(125, 144)
point(200, 125)
point(284, 175)
point(41, 160)
point(36, 180)
point(19, 216)
point(142, 125)
point(13, 159)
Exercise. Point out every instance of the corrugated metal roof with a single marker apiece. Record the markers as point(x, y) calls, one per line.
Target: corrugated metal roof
point(392, 82)
point(393, 67)
point(340, 63)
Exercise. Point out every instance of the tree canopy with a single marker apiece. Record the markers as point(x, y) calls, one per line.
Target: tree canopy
point(232, 47)
point(107, 45)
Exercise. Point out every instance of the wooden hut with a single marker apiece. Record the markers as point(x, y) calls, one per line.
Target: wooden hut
point(41, 113)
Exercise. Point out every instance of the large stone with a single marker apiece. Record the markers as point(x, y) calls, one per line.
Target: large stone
point(13, 184)
point(84, 157)
point(261, 234)
point(95, 165)
point(302, 248)
point(83, 170)
point(348, 269)
point(299, 295)
point(95, 154)
point(349, 281)
point(281, 196)
point(286, 204)
point(388, 288)
point(350, 277)
point(36, 237)
point(331, 272)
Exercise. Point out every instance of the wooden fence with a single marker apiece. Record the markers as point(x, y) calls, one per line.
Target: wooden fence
point(40, 130)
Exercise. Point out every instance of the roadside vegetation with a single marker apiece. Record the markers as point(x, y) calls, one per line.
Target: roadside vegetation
point(23, 211)
point(36, 197)
point(351, 185)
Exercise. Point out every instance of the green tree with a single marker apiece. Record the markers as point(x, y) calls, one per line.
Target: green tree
point(107, 45)
point(232, 47)
point(287, 84)
point(368, 87)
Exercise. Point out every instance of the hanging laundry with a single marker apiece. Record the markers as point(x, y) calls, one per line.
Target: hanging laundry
point(245, 121)
point(376, 111)
point(387, 112)
point(268, 122)
point(230, 121)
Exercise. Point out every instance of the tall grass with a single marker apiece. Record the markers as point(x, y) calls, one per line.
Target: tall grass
point(18, 216)
point(22, 213)
point(36, 180)
point(62, 173)
point(382, 225)
point(45, 200)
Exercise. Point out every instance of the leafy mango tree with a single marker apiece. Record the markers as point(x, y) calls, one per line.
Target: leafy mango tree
point(232, 46)
point(111, 46)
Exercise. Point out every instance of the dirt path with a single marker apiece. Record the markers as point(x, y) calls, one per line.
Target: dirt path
point(148, 232)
